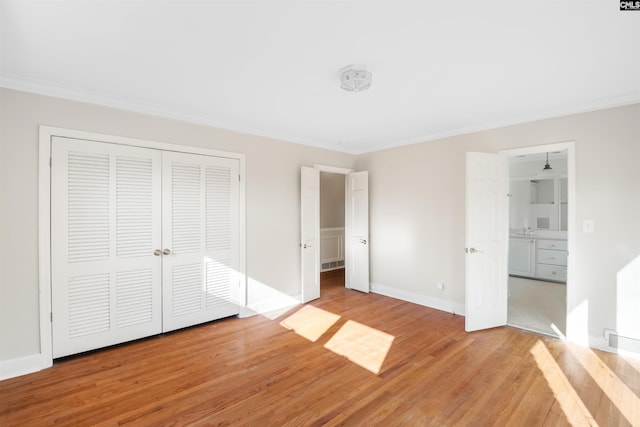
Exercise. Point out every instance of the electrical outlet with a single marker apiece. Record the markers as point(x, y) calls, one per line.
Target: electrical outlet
point(440, 286)
point(588, 225)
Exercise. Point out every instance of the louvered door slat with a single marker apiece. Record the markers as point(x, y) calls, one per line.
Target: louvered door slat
point(111, 206)
point(201, 211)
point(88, 195)
point(106, 213)
point(134, 201)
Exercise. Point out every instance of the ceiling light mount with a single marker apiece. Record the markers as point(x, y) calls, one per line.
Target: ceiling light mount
point(355, 78)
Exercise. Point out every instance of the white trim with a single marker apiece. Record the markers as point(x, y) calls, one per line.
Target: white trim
point(44, 247)
point(51, 131)
point(243, 232)
point(47, 89)
point(599, 342)
point(536, 149)
point(333, 169)
point(22, 365)
point(281, 302)
point(427, 301)
point(87, 97)
point(44, 215)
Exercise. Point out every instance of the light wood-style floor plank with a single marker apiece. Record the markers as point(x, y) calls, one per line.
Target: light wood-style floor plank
point(255, 371)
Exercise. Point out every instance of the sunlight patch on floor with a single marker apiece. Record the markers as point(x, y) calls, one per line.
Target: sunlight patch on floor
point(310, 322)
point(361, 344)
point(571, 404)
point(613, 387)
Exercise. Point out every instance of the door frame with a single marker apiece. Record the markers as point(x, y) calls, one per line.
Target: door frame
point(572, 321)
point(46, 133)
point(340, 171)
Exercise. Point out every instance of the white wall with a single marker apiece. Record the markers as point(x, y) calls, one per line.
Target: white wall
point(273, 194)
point(331, 200)
point(417, 204)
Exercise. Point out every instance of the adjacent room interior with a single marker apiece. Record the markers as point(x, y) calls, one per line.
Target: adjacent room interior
point(332, 230)
point(538, 207)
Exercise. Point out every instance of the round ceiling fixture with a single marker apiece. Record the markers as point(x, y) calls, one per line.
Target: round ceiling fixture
point(355, 78)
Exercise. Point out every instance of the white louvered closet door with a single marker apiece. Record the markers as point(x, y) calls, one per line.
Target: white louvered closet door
point(106, 224)
point(201, 235)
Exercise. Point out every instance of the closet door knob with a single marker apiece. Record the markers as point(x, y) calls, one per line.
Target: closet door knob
point(166, 252)
point(157, 252)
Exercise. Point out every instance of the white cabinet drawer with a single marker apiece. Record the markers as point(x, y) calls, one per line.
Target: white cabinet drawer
point(546, 256)
point(552, 244)
point(551, 272)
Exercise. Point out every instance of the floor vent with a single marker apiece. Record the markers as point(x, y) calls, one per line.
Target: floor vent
point(632, 345)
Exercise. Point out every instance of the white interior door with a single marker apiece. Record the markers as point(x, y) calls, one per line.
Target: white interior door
point(201, 255)
point(487, 216)
point(357, 231)
point(105, 226)
point(310, 232)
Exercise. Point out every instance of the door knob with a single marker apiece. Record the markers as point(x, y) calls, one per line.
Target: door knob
point(166, 252)
point(157, 252)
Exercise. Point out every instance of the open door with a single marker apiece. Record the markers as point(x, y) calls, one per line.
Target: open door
point(357, 231)
point(310, 232)
point(487, 216)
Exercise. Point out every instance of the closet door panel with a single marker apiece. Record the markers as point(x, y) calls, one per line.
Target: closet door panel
point(106, 223)
point(201, 239)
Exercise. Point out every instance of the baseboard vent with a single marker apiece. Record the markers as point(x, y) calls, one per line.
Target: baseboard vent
point(619, 342)
point(332, 265)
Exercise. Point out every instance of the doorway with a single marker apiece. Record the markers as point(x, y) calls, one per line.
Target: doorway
point(538, 227)
point(541, 236)
point(487, 239)
point(356, 229)
point(332, 232)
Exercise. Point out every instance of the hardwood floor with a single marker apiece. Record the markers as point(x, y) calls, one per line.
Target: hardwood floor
point(367, 360)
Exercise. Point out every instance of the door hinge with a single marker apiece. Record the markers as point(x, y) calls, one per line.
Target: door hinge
point(239, 178)
point(51, 316)
point(50, 162)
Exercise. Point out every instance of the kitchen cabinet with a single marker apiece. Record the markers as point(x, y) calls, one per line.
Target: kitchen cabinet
point(538, 258)
point(522, 257)
point(551, 260)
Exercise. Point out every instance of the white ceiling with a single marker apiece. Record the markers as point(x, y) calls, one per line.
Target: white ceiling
point(270, 68)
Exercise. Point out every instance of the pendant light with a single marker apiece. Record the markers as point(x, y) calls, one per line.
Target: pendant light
point(547, 166)
point(547, 171)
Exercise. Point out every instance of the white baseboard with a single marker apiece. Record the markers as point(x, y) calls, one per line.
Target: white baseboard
point(22, 365)
point(271, 307)
point(431, 302)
